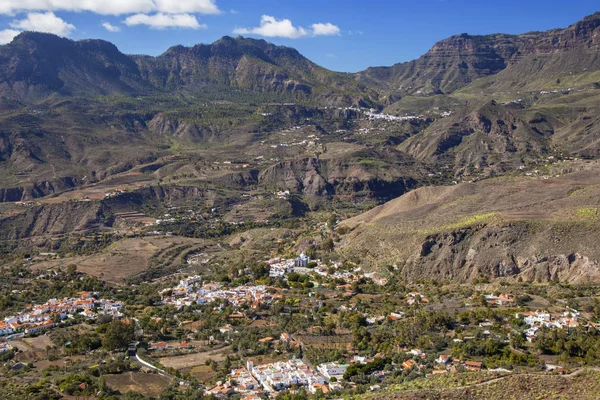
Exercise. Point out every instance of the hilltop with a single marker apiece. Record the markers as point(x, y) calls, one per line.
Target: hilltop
point(455, 62)
point(36, 65)
point(539, 228)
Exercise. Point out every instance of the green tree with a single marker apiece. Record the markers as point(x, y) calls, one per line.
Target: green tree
point(118, 335)
point(328, 245)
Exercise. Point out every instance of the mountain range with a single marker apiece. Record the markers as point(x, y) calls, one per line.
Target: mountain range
point(477, 114)
point(36, 65)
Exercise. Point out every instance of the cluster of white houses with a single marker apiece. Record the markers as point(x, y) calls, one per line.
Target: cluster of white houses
point(256, 380)
point(37, 318)
point(279, 267)
point(543, 319)
point(191, 291)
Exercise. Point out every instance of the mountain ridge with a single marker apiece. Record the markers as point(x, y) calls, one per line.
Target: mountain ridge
point(35, 65)
point(476, 56)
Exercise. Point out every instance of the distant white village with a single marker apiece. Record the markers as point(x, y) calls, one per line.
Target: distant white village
point(42, 317)
point(279, 268)
point(191, 291)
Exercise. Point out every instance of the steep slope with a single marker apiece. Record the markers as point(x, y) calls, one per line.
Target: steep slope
point(457, 61)
point(36, 65)
point(249, 64)
point(536, 229)
point(488, 139)
point(370, 173)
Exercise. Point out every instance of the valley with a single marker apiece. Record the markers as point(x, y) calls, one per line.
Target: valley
point(231, 220)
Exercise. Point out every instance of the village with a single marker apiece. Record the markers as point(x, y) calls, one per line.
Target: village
point(191, 291)
point(42, 317)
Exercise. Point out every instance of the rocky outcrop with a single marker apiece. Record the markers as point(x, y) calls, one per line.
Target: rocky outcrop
point(493, 251)
point(52, 219)
point(185, 131)
point(37, 190)
point(459, 60)
point(509, 228)
point(369, 175)
point(489, 140)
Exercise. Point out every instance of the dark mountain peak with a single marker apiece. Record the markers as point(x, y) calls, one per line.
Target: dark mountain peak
point(175, 50)
point(593, 17)
point(41, 40)
point(98, 45)
point(457, 61)
point(57, 45)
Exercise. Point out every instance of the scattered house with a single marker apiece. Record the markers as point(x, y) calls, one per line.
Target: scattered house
point(416, 352)
point(500, 300)
point(408, 364)
point(4, 347)
point(6, 329)
point(266, 339)
point(285, 337)
point(160, 346)
point(473, 365)
point(184, 346)
point(330, 370)
point(220, 390)
point(396, 316)
point(444, 359)
point(314, 387)
point(226, 329)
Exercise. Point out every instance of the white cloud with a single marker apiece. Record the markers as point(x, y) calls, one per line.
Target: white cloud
point(187, 6)
point(44, 22)
point(162, 21)
point(327, 29)
point(7, 35)
point(110, 27)
point(271, 27)
point(111, 7)
point(105, 7)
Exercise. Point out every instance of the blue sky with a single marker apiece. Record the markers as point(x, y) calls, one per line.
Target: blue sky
point(341, 35)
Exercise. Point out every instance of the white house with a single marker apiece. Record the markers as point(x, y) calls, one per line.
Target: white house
point(330, 370)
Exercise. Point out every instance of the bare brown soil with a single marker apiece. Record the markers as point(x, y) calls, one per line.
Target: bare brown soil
point(194, 359)
point(126, 258)
point(149, 385)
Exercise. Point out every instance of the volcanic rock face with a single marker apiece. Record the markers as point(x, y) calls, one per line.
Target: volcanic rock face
point(511, 228)
point(457, 61)
point(385, 175)
point(36, 65)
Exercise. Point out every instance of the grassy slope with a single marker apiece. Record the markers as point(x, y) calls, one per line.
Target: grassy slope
point(584, 386)
point(522, 216)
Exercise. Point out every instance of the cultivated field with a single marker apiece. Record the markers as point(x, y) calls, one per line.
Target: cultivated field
point(126, 258)
point(193, 360)
point(148, 385)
